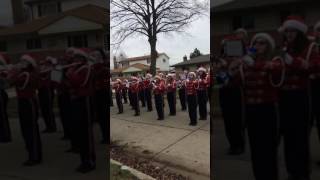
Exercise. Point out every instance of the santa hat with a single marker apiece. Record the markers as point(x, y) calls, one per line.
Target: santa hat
point(266, 37)
point(316, 26)
point(295, 22)
point(4, 59)
point(201, 69)
point(82, 52)
point(241, 30)
point(30, 59)
point(192, 73)
point(157, 77)
point(134, 78)
point(71, 50)
point(51, 59)
point(148, 75)
point(118, 80)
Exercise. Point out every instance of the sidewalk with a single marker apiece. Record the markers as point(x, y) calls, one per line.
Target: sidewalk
point(57, 165)
point(171, 141)
point(239, 167)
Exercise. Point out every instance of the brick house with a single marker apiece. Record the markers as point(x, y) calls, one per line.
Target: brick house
point(258, 16)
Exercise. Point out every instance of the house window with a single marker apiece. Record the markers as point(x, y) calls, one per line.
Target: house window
point(3, 46)
point(245, 21)
point(34, 44)
point(49, 8)
point(78, 41)
point(148, 61)
point(164, 60)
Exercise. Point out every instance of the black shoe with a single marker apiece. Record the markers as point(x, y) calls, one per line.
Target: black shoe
point(86, 168)
point(137, 114)
point(119, 112)
point(297, 178)
point(236, 151)
point(160, 119)
point(192, 124)
point(203, 119)
point(31, 163)
point(150, 110)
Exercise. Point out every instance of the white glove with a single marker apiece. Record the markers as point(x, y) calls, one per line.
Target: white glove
point(288, 58)
point(248, 60)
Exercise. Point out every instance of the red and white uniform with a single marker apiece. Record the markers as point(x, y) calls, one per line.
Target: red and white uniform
point(171, 86)
point(191, 87)
point(79, 79)
point(159, 87)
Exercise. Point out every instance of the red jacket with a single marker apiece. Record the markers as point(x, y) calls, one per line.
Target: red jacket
point(203, 83)
point(26, 84)
point(297, 76)
point(159, 88)
point(44, 80)
point(191, 87)
point(258, 88)
point(147, 84)
point(171, 86)
point(134, 87)
point(80, 81)
point(100, 76)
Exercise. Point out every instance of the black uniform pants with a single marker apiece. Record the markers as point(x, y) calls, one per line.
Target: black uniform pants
point(84, 130)
point(135, 103)
point(119, 102)
point(202, 100)
point(171, 96)
point(65, 112)
point(295, 129)
point(148, 99)
point(124, 95)
point(142, 98)
point(130, 98)
point(231, 107)
point(101, 98)
point(158, 99)
point(28, 116)
point(5, 132)
point(182, 97)
point(263, 135)
point(192, 107)
point(46, 96)
point(315, 100)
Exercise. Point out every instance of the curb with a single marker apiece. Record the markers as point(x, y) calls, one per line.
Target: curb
point(136, 173)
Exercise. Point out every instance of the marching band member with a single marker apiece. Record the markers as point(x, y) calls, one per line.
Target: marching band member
point(118, 88)
point(110, 93)
point(5, 132)
point(294, 119)
point(191, 91)
point(202, 93)
point(209, 79)
point(182, 89)
point(158, 90)
point(315, 83)
point(125, 91)
point(230, 100)
point(63, 97)
point(260, 96)
point(141, 92)
point(79, 77)
point(134, 90)
point(171, 88)
point(26, 83)
point(101, 93)
point(148, 91)
point(46, 94)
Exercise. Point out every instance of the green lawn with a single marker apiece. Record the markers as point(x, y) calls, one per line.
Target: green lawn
point(118, 174)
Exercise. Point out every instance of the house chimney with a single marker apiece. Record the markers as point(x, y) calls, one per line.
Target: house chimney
point(185, 58)
point(115, 64)
point(17, 11)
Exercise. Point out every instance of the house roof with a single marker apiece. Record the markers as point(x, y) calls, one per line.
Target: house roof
point(139, 58)
point(140, 66)
point(246, 4)
point(197, 60)
point(88, 12)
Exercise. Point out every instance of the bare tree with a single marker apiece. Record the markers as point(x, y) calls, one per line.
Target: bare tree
point(152, 17)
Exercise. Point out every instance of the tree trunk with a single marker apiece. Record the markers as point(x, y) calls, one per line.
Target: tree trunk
point(154, 55)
